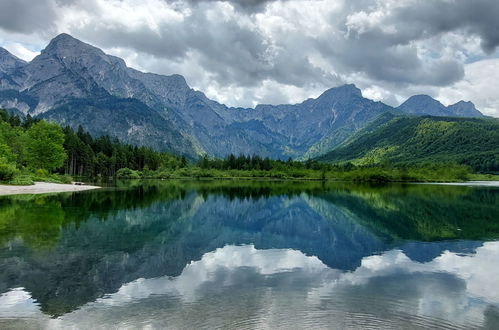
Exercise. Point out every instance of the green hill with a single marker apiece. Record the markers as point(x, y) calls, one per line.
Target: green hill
point(411, 140)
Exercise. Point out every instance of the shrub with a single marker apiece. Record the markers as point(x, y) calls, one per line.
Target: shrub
point(7, 172)
point(21, 180)
point(126, 173)
point(41, 173)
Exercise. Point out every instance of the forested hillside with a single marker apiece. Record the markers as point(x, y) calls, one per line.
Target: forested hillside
point(423, 140)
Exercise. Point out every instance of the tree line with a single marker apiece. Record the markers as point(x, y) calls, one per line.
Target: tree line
point(31, 144)
point(257, 163)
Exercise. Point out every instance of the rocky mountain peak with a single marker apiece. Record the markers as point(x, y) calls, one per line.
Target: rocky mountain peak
point(65, 46)
point(465, 109)
point(422, 99)
point(344, 92)
point(423, 104)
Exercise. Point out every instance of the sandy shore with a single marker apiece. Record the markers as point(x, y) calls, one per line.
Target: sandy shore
point(42, 188)
point(468, 183)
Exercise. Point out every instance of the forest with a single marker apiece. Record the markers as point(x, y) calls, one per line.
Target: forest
point(32, 149)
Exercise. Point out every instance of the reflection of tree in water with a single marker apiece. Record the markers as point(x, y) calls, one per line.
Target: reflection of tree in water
point(99, 240)
point(423, 212)
point(36, 221)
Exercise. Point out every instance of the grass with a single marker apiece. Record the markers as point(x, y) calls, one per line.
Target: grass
point(427, 173)
point(24, 178)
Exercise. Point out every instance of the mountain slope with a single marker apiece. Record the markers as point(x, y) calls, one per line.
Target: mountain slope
point(412, 140)
point(145, 127)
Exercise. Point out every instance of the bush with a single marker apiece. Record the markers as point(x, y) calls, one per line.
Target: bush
point(57, 178)
point(7, 172)
point(40, 173)
point(66, 179)
point(126, 173)
point(21, 180)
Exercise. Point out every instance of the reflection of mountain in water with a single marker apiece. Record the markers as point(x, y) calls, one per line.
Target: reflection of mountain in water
point(240, 286)
point(115, 237)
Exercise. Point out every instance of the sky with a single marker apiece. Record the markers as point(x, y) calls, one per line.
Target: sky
point(248, 52)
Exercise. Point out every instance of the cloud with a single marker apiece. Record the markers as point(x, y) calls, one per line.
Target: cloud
point(479, 85)
point(433, 17)
point(27, 16)
point(250, 6)
point(264, 51)
point(21, 51)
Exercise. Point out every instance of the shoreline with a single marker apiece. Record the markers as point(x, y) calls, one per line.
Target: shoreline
point(466, 183)
point(43, 188)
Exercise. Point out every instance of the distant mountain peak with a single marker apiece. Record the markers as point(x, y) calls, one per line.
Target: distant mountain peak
point(63, 36)
point(422, 98)
point(464, 109)
point(465, 102)
point(65, 39)
point(343, 91)
point(425, 104)
point(65, 44)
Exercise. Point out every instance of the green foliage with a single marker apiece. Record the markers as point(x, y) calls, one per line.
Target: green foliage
point(21, 180)
point(7, 172)
point(40, 173)
point(126, 173)
point(103, 156)
point(45, 146)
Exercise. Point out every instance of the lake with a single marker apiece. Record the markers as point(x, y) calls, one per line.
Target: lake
point(245, 255)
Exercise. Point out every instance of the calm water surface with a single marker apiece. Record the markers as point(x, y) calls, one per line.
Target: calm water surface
point(221, 254)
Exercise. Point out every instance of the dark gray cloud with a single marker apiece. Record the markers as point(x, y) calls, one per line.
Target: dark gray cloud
point(250, 6)
point(383, 57)
point(427, 18)
point(27, 16)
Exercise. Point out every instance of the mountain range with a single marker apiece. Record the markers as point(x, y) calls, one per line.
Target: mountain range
point(75, 83)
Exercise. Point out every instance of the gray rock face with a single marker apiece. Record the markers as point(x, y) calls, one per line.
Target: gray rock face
point(75, 83)
point(9, 64)
point(424, 104)
point(464, 109)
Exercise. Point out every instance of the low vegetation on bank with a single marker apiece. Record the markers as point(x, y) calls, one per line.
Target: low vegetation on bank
point(430, 173)
point(33, 150)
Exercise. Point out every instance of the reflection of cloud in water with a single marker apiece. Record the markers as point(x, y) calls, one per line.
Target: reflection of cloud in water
point(218, 267)
point(266, 288)
point(17, 302)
